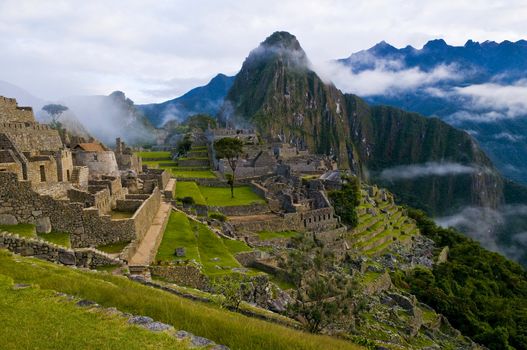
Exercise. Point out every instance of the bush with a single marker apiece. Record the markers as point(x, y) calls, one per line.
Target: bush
point(188, 200)
point(346, 200)
point(217, 216)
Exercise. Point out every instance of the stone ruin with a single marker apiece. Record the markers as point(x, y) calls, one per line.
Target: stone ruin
point(73, 190)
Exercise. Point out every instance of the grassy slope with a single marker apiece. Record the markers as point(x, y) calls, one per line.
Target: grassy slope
point(178, 234)
point(264, 235)
point(113, 248)
point(154, 155)
point(189, 189)
point(58, 238)
point(38, 319)
point(211, 247)
point(235, 246)
point(231, 329)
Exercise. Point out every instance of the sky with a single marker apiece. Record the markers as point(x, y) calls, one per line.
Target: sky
point(157, 50)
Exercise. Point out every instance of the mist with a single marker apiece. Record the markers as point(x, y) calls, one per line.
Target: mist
point(407, 172)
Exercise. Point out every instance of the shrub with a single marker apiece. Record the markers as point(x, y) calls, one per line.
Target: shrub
point(217, 216)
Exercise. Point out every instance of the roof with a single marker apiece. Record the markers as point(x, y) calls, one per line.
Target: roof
point(90, 147)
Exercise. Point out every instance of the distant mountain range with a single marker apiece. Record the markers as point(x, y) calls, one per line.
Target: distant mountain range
point(478, 87)
point(204, 99)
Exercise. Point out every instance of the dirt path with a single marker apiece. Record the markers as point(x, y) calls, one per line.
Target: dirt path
point(148, 248)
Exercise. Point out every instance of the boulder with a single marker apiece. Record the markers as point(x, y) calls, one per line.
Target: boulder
point(67, 258)
point(8, 219)
point(43, 225)
point(180, 252)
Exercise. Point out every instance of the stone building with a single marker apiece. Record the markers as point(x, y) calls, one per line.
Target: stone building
point(29, 149)
point(99, 160)
point(126, 159)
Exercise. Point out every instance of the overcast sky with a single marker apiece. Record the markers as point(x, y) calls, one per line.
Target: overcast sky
point(157, 50)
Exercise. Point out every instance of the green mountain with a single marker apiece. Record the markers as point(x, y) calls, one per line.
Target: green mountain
point(423, 161)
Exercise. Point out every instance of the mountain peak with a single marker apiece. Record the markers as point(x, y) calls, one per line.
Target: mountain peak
point(435, 44)
point(282, 40)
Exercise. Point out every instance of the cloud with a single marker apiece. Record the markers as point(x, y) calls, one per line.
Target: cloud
point(406, 172)
point(388, 77)
point(59, 48)
point(509, 137)
point(493, 228)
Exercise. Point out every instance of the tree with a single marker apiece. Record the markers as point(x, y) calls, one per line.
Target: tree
point(201, 122)
point(184, 145)
point(230, 149)
point(55, 111)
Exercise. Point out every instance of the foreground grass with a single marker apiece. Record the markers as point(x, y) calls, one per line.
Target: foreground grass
point(178, 233)
point(221, 196)
point(189, 174)
point(224, 327)
point(189, 189)
point(37, 319)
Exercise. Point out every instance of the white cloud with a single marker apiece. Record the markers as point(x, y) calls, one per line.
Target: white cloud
point(509, 137)
point(406, 172)
point(388, 77)
point(59, 48)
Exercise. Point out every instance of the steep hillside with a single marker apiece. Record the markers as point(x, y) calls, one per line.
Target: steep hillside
point(203, 99)
point(283, 98)
point(478, 87)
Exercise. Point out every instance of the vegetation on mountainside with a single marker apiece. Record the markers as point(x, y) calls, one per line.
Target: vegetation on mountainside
point(183, 146)
point(32, 318)
point(200, 122)
point(346, 200)
point(482, 294)
point(323, 296)
point(224, 327)
point(231, 149)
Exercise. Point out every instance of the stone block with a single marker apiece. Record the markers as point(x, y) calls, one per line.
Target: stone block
point(43, 225)
point(8, 219)
point(67, 258)
point(180, 252)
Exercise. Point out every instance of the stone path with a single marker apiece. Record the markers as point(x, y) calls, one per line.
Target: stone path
point(148, 247)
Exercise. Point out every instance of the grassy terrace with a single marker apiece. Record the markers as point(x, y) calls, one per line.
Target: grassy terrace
point(32, 318)
point(265, 235)
point(29, 231)
point(113, 248)
point(221, 196)
point(217, 196)
point(189, 189)
point(224, 327)
point(162, 160)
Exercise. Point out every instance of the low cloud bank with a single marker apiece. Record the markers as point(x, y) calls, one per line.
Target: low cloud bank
point(406, 172)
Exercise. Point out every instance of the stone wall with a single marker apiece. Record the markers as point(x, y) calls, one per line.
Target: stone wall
point(86, 226)
point(145, 214)
point(42, 169)
point(32, 137)
point(100, 200)
point(184, 275)
point(239, 210)
point(10, 112)
point(160, 176)
point(90, 258)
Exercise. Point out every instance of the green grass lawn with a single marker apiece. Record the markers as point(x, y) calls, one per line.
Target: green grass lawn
point(154, 155)
point(235, 246)
point(37, 319)
point(190, 174)
point(59, 238)
point(213, 252)
point(113, 248)
point(221, 196)
point(189, 189)
point(265, 235)
point(178, 233)
point(23, 230)
point(207, 320)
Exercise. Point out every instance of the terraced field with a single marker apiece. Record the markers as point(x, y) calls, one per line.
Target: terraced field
point(216, 196)
point(214, 254)
point(381, 223)
point(195, 165)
